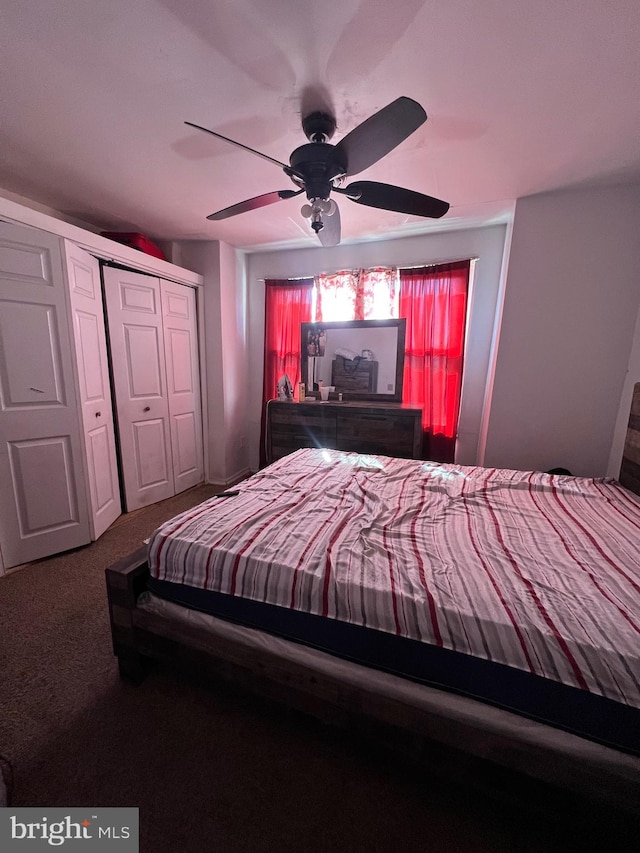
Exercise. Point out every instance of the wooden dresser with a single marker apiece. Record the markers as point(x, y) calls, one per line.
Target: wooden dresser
point(390, 429)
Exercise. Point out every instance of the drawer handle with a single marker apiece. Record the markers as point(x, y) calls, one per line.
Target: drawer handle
point(147, 409)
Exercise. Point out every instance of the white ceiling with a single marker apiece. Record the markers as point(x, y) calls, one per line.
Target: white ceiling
point(523, 96)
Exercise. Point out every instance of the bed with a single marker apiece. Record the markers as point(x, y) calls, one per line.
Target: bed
point(494, 611)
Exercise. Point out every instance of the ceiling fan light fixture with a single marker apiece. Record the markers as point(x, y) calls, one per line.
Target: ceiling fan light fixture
point(327, 206)
point(314, 212)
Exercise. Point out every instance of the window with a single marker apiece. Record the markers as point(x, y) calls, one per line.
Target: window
point(370, 294)
point(432, 299)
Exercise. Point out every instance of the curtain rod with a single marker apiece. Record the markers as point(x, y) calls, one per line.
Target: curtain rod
point(399, 267)
point(436, 263)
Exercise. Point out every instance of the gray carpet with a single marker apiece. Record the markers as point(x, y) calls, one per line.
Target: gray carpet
point(211, 767)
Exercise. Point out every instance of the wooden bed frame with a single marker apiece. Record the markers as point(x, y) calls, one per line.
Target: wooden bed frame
point(339, 691)
point(630, 468)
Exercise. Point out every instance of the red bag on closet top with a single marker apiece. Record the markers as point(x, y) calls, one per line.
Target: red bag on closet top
point(136, 241)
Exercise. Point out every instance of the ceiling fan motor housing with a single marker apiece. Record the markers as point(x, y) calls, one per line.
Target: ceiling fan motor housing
point(318, 164)
point(319, 127)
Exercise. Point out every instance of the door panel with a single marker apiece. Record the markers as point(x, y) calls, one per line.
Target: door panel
point(85, 295)
point(50, 509)
point(138, 298)
point(43, 501)
point(186, 437)
point(183, 381)
point(37, 379)
point(181, 376)
point(100, 453)
point(92, 384)
point(149, 440)
point(25, 261)
point(137, 352)
point(143, 361)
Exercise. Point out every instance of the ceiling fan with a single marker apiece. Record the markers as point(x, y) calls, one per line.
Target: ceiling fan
point(319, 168)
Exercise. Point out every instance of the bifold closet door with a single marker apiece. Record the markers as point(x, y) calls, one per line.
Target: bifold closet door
point(85, 294)
point(183, 383)
point(43, 499)
point(136, 337)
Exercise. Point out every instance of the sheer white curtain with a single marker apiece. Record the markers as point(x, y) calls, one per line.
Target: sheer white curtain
point(365, 294)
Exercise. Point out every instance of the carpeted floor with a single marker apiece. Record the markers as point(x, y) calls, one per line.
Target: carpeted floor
point(212, 768)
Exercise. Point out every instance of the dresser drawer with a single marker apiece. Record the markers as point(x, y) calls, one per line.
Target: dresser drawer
point(290, 429)
point(362, 376)
point(362, 428)
point(388, 434)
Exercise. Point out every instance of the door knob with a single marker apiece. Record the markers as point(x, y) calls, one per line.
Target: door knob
point(147, 409)
point(98, 414)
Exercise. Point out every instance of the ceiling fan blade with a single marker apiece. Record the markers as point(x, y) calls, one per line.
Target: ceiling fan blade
point(329, 235)
point(388, 197)
point(379, 134)
point(253, 203)
point(239, 145)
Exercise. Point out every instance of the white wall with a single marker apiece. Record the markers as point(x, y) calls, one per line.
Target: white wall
point(571, 302)
point(49, 211)
point(486, 244)
point(224, 327)
point(233, 311)
point(622, 421)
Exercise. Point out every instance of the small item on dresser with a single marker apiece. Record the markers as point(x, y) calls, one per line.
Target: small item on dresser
point(285, 388)
point(339, 396)
point(302, 392)
point(347, 354)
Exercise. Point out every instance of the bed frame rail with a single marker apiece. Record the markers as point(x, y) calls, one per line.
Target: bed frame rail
point(126, 579)
point(630, 469)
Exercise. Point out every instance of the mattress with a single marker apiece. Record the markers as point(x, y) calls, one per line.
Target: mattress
point(533, 573)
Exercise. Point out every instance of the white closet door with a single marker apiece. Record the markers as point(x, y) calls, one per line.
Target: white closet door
point(183, 383)
point(43, 501)
point(85, 293)
point(134, 314)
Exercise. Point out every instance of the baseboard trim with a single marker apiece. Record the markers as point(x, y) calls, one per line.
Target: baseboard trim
point(231, 481)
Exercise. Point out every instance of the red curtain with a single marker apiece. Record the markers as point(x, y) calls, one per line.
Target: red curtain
point(287, 305)
point(434, 302)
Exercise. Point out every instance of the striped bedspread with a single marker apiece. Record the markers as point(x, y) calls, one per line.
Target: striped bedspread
point(536, 571)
